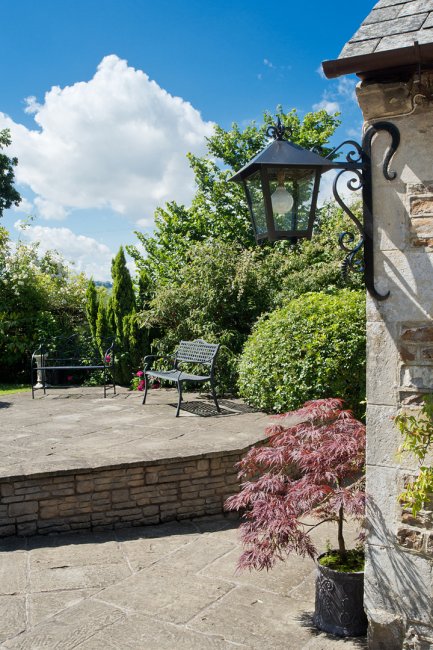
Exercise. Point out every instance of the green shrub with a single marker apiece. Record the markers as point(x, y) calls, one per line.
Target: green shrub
point(312, 348)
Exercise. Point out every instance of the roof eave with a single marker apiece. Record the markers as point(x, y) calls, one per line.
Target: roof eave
point(380, 63)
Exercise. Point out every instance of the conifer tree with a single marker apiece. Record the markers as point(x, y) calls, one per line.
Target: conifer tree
point(123, 298)
point(122, 307)
point(92, 307)
point(102, 330)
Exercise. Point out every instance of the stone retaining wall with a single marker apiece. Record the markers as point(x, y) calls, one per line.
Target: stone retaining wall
point(149, 493)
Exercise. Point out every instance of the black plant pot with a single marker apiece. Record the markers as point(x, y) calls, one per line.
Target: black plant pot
point(340, 602)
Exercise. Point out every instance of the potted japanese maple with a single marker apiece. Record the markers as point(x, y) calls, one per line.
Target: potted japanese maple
point(311, 468)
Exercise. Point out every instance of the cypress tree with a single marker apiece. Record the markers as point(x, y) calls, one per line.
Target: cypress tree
point(122, 305)
point(102, 333)
point(123, 297)
point(92, 307)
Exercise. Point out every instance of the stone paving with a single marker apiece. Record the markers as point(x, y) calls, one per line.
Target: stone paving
point(165, 587)
point(76, 428)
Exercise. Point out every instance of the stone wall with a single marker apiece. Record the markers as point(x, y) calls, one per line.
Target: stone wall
point(398, 580)
point(113, 498)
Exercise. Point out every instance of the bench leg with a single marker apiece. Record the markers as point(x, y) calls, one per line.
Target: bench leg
point(212, 387)
point(179, 388)
point(145, 389)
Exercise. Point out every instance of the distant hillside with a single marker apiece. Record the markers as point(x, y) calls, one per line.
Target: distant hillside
point(107, 284)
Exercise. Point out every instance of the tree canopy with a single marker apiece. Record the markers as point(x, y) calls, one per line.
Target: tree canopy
point(8, 194)
point(218, 209)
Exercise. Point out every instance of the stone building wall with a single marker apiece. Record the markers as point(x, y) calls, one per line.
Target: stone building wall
point(150, 493)
point(399, 575)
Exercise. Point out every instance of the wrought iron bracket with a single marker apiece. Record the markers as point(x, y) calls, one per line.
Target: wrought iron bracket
point(358, 163)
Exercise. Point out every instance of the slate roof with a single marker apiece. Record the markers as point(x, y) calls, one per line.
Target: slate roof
point(393, 26)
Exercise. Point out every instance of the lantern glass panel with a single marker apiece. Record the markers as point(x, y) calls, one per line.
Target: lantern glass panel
point(254, 191)
point(299, 185)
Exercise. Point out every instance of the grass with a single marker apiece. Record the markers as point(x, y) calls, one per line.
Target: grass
point(8, 389)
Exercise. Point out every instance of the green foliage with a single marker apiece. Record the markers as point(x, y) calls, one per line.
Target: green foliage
point(123, 297)
point(417, 432)
point(309, 349)
point(217, 297)
point(39, 298)
point(218, 210)
point(353, 561)
point(103, 331)
point(8, 194)
point(92, 306)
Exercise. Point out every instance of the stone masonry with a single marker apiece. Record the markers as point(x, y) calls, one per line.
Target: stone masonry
point(399, 573)
point(149, 493)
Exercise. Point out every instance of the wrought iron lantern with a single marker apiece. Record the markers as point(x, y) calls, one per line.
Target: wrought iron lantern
point(282, 184)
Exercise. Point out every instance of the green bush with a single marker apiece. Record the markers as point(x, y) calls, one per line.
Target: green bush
point(312, 348)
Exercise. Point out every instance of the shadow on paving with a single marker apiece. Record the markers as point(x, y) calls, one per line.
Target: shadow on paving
point(306, 621)
point(205, 409)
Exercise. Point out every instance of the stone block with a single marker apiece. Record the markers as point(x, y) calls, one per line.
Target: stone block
point(383, 484)
point(385, 629)
point(7, 530)
point(410, 538)
point(382, 363)
point(119, 496)
point(24, 508)
point(398, 582)
point(49, 513)
point(84, 487)
point(423, 519)
point(420, 333)
point(151, 478)
point(426, 354)
point(406, 274)
point(416, 377)
point(421, 206)
point(429, 544)
point(383, 437)
point(7, 490)
point(27, 528)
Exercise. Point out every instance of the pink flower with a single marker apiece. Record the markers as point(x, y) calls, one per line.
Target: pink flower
point(140, 385)
point(140, 373)
point(107, 358)
point(69, 377)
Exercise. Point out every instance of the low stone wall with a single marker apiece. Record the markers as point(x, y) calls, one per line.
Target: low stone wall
point(133, 495)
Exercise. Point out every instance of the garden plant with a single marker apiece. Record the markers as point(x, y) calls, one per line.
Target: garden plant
point(311, 467)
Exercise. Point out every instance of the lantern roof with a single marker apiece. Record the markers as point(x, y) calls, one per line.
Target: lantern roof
point(281, 153)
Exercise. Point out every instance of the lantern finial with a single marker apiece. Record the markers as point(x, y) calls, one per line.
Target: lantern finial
point(277, 130)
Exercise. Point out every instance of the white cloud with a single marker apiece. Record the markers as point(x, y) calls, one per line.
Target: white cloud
point(346, 88)
point(320, 72)
point(84, 254)
point(24, 206)
point(115, 142)
point(327, 105)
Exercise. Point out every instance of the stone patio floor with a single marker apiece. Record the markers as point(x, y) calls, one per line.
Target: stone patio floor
point(165, 587)
point(171, 586)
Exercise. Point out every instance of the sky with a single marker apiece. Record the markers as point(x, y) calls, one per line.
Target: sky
point(104, 99)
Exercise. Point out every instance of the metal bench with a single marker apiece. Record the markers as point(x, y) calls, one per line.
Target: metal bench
point(70, 353)
point(196, 352)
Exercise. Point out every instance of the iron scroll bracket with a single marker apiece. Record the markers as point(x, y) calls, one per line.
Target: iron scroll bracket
point(358, 164)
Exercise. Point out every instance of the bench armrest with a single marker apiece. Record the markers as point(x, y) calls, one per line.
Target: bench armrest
point(147, 361)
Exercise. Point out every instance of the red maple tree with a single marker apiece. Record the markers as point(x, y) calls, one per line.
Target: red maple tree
point(310, 468)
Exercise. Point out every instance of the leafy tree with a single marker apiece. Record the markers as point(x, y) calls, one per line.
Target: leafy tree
point(218, 209)
point(39, 298)
point(8, 194)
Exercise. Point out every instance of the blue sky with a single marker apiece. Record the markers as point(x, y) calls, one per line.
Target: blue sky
point(104, 98)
